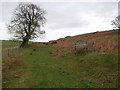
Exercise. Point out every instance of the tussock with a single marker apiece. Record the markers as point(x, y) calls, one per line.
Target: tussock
point(106, 41)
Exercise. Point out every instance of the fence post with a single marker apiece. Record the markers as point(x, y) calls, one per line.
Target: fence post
point(12, 51)
point(8, 52)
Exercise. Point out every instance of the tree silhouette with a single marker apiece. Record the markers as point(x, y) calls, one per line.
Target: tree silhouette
point(116, 22)
point(26, 22)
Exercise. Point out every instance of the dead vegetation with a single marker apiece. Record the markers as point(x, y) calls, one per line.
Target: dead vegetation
point(106, 41)
point(11, 65)
point(8, 70)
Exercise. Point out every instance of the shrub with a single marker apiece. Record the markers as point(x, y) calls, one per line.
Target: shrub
point(81, 51)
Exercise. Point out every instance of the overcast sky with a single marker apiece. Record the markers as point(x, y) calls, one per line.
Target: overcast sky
point(66, 18)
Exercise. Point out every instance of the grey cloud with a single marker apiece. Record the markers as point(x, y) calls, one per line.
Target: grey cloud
point(63, 17)
point(68, 23)
point(69, 15)
point(108, 9)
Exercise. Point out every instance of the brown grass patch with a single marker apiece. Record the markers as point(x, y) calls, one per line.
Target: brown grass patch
point(8, 70)
point(11, 65)
point(97, 41)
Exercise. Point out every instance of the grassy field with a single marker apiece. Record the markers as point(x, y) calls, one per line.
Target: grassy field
point(35, 67)
point(9, 43)
point(10, 47)
point(57, 66)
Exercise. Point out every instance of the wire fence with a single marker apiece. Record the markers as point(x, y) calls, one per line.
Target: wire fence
point(9, 50)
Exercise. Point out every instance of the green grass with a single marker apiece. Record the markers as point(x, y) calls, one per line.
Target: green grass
point(9, 44)
point(41, 70)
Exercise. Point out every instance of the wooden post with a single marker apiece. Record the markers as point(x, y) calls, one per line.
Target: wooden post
point(12, 50)
point(8, 52)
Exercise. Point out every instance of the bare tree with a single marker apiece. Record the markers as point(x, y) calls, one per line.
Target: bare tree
point(116, 22)
point(26, 22)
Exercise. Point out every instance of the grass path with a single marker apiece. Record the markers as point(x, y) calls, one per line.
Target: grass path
point(40, 70)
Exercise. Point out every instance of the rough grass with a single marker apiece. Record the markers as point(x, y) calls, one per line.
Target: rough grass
point(98, 42)
point(41, 70)
point(55, 66)
point(9, 43)
point(11, 47)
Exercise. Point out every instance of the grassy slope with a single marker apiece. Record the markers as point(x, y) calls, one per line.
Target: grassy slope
point(13, 47)
point(7, 44)
point(10, 43)
point(106, 41)
point(42, 70)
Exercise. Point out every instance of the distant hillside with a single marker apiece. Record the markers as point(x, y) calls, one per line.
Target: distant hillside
point(105, 41)
point(55, 65)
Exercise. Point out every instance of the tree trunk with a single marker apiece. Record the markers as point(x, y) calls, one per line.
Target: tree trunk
point(24, 43)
